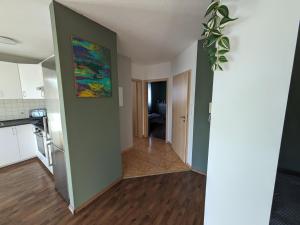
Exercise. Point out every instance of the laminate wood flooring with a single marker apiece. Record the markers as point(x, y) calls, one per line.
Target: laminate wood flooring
point(28, 197)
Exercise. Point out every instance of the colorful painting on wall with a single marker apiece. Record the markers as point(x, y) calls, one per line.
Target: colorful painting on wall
point(92, 69)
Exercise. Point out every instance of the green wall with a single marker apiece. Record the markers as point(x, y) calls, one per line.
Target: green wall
point(203, 96)
point(90, 125)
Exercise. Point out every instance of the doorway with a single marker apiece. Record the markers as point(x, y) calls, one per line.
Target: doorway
point(150, 154)
point(157, 108)
point(286, 199)
point(180, 105)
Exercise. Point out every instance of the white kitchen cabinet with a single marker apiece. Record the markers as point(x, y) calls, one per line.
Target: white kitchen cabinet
point(31, 76)
point(9, 148)
point(27, 141)
point(10, 85)
point(18, 143)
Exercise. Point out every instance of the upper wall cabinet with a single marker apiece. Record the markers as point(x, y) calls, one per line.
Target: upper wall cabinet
point(31, 76)
point(10, 85)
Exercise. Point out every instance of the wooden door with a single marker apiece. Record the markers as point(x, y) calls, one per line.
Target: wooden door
point(137, 86)
point(180, 114)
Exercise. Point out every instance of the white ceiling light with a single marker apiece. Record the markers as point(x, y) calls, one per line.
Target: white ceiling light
point(7, 40)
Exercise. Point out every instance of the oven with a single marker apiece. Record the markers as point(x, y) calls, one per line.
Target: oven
point(42, 137)
point(40, 141)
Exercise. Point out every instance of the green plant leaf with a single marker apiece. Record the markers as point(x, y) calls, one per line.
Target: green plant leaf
point(216, 44)
point(223, 51)
point(216, 32)
point(205, 26)
point(211, 40)
point(220, 67)
point(224, 42)
point(223, 11)
point(223, 59)
point(213, 60)
point(214, 67)
point(225, 21)
point(212, 7)
point(212, 51)
point(211, 23)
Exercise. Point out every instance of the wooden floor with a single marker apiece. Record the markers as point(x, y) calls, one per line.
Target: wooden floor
point(150, 157)
point(27, 197)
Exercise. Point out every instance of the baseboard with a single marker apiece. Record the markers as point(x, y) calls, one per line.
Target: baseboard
point(91, 200)
point(45, 168)
point(71, 209)
point(199, 172)
point(158, 173)
point(127, 149)
point(20, 163)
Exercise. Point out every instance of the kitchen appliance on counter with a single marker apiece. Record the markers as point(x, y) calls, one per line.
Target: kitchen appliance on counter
point(41, 133)
point(54, 127)
point(37, 115)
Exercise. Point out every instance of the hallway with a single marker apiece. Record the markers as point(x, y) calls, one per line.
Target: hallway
point(150, 157)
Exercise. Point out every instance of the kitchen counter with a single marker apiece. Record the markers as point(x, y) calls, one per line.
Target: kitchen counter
point(11, 123)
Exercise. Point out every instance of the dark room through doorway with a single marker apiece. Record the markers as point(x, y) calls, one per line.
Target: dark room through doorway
point(157, 107)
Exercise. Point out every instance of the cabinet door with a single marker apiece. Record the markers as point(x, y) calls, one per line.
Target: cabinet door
point(27, 141)
point(31, 77)
point(10, 85)
point(9, 149)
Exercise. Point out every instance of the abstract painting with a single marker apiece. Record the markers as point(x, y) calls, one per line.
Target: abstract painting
point(92, 69)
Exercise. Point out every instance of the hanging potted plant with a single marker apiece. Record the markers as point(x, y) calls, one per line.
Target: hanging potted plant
point(216, 43)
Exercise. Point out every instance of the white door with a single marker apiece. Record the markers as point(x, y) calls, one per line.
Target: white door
point(9, 149)
point(180, 114)
point(10, 85)
point(27, 141)
point(31, 77)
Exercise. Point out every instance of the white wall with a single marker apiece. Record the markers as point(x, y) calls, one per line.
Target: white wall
point(187, 60)
point(124, 75)
point(249, 102)
point(151, 72)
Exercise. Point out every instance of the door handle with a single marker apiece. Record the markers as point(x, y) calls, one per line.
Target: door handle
point(183, 118)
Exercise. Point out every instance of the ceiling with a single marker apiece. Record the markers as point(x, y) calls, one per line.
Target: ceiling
point(149, 31)
point(27, 21)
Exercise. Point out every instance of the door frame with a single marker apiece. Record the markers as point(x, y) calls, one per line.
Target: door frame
point(146, 121)
point(189, 72)
point(137, 121)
